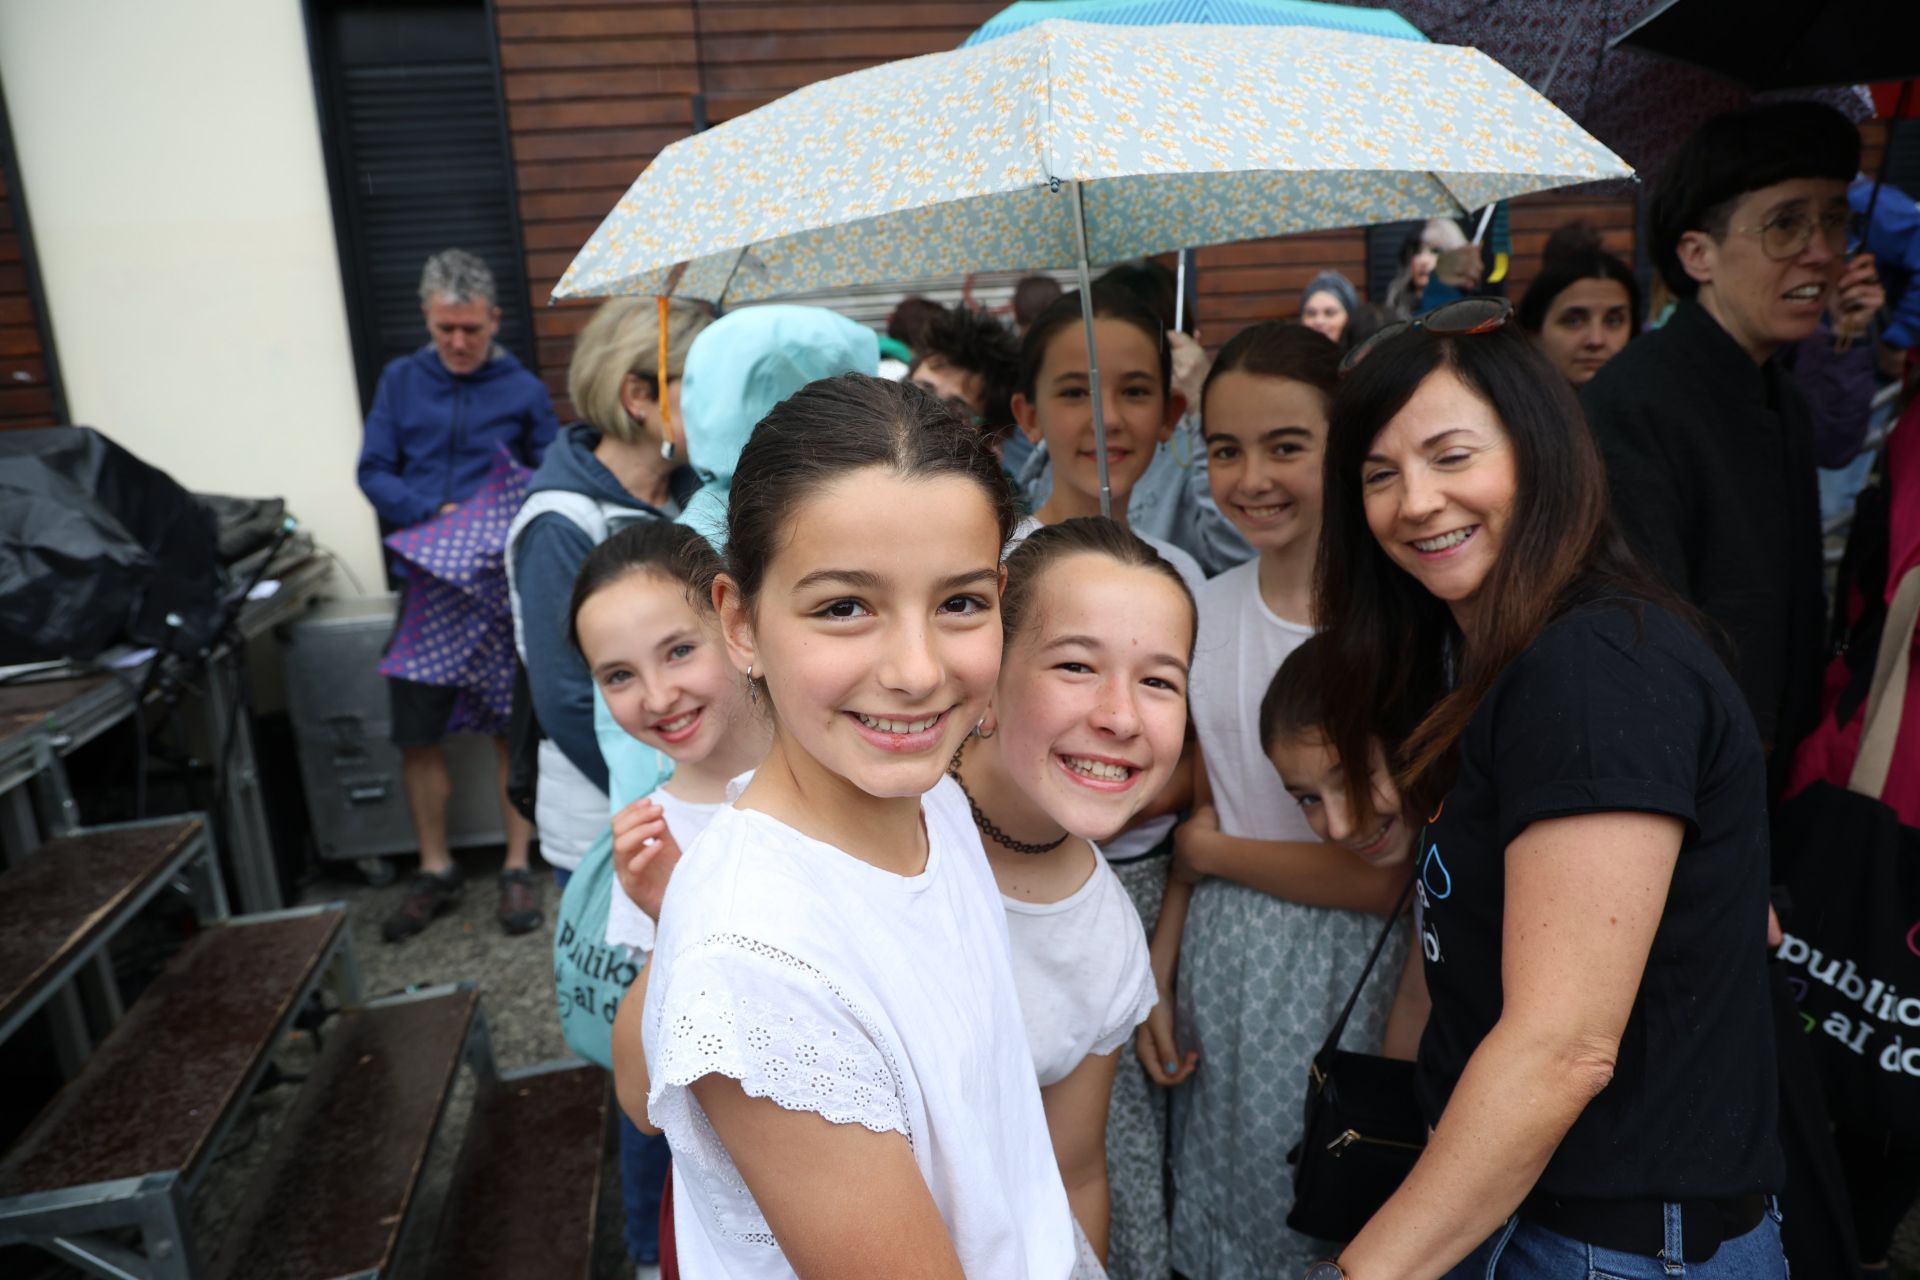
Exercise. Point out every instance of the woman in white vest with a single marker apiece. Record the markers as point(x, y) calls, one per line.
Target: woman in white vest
point(603, 472)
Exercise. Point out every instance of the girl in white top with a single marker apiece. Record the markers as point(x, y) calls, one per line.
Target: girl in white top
point(832, 1032)
point(1053, 405)
point(646, 627)
point(1276, 938)
point(1088, 719)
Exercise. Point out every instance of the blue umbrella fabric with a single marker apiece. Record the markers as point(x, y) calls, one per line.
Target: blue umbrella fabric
point(1234, 13)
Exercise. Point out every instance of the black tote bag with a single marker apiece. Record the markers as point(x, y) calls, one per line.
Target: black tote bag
point(1852, 945)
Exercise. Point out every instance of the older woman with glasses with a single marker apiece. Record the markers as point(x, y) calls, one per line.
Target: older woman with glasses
point(1592, 885)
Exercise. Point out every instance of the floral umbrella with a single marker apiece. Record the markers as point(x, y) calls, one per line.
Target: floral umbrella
point(1079, 144)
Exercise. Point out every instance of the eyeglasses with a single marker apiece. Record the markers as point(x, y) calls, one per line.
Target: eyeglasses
point(1787, 233)
point(1460, 318)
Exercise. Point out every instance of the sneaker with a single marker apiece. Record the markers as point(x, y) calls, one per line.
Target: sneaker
point(519, 902)
point(428, 895)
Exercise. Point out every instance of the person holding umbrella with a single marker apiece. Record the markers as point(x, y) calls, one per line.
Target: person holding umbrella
point(438, 417)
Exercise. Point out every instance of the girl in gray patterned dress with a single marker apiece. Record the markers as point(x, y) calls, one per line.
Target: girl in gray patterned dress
point(1266, 922)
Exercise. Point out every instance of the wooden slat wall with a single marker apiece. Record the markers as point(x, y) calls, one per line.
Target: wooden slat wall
point(596, 89)
point(26, 397)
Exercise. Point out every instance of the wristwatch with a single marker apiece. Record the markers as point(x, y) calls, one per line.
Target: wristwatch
point(1328, 1270)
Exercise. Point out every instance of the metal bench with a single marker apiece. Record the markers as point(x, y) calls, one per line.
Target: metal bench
point(71, 895)
point(339, 1188)
point(527, 1186)
point(123, 1144)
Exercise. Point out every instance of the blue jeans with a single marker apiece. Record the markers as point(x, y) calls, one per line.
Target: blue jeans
point(643, 1175)
point(1522, 1251)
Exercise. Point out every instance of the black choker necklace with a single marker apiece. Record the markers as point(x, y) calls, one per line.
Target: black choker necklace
point(985, 824)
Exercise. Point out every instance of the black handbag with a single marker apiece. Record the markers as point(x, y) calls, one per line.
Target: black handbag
point(1364, 1129)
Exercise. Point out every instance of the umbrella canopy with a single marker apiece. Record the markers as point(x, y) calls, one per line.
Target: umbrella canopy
point(1641, 107)
point(1240, 13)
point(973, 160)
point(1786, 44)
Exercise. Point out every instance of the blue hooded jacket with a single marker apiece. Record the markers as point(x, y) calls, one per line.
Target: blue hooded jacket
point(431, 435)
point(741, 366)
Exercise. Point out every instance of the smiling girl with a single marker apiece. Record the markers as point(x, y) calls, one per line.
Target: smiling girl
point(652, 643)
point(1264, 920)
point(832, 1027)
point(1089, 717)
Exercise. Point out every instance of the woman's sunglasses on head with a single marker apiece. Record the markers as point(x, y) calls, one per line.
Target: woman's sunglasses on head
point(1460, 318)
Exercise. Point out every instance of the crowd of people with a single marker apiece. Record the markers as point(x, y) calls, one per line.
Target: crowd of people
point(995, 872)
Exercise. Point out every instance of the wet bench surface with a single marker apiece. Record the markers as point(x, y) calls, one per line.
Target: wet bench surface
point(524, 1193)
point(71, 892)
point(335, 1192)
point(155, 1093)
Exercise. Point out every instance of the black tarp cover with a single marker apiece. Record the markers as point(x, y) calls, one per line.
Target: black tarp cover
point(98, 548)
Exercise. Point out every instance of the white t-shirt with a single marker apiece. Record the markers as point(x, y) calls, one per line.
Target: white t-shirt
point(1144, 837)
point(1083, 973)
point(831, 986)
point(1241, 645)
point(627, 925)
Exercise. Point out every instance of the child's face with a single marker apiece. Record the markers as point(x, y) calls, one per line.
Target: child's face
point(877, 627)
point(1092, 697)
point(1312, 775)
point(1265, 441)
point(1139, 415)
point(659, 664)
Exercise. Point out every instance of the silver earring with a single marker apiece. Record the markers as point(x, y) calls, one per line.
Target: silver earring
point(981, 732)
point(753, 686)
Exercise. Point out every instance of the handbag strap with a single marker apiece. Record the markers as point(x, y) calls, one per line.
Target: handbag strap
point(1887, 696)
point(1379, 945)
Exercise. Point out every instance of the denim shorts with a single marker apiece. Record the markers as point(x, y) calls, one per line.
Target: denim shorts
point(1521, 1250)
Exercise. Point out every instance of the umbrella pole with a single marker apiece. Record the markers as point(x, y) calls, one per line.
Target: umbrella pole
point(1180, 291)
point(1093, 353)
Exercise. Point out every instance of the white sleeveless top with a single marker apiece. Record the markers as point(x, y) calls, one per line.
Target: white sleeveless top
point(831, 986)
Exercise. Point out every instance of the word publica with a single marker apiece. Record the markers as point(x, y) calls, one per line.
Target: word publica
point(1879, 1001)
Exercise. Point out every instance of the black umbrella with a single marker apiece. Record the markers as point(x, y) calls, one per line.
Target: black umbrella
point(1785, 44)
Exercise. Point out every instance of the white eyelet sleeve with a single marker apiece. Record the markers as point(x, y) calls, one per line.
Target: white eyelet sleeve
point(740, 1008)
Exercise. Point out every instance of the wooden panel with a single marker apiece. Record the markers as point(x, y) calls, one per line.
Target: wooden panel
point(26, 395)
point(595, 90)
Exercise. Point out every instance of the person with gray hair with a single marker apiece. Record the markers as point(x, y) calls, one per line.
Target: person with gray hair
point(439, 416)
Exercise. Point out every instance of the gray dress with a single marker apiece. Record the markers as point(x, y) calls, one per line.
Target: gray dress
point(1260, 982)
point(1137, 1243)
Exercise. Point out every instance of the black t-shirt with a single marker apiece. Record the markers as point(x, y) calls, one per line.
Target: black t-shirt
point(1621, 706)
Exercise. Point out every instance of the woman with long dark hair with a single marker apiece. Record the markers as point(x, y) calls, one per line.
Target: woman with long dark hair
point(1592, 885)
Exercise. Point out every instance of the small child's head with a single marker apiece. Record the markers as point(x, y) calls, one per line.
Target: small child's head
point(862, 585)
point(1291, 716)
point(1091, 704)
point(1052, 400)
point(642, 620)
point(1264, 416)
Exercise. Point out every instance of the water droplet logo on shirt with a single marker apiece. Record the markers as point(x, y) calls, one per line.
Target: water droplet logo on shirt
point(1434, 876)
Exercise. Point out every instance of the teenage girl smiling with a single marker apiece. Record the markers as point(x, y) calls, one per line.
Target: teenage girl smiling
point(832, 1028)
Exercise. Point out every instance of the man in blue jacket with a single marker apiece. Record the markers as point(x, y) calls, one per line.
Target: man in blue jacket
point(438, 417)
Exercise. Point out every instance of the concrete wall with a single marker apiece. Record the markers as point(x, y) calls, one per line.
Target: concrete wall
point(171, 155)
